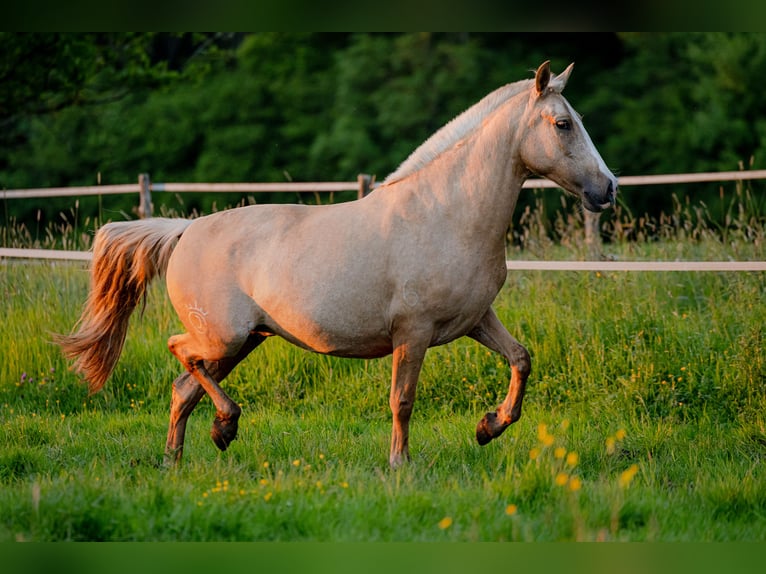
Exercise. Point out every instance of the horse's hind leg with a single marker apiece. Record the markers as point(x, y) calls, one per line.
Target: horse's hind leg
point(187, 392)
point(203, 377)
point(491, 333)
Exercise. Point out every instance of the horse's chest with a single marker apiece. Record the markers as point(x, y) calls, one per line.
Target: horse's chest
point(452, 306)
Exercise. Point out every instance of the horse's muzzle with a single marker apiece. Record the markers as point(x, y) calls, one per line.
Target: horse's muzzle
point(600, 199)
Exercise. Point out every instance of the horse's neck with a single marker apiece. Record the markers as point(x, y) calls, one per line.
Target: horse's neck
point(480, 178)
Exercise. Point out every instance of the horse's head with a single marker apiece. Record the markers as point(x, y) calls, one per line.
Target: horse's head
point(555, 144)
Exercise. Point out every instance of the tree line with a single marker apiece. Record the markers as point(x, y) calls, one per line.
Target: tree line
point(82, 109)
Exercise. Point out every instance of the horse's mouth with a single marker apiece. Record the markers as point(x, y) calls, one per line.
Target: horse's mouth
point(597, 207)
point(596, 201)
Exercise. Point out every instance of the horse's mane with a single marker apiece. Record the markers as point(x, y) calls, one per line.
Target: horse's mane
point(455, 130)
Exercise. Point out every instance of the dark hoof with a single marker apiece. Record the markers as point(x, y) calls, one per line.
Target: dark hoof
point(483, 429)
point(490, 427)
point(224, 431)
point(172, 457)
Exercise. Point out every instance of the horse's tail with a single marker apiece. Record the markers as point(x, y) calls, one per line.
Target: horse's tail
point(127, 255)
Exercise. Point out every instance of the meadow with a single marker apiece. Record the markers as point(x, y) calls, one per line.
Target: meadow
point(643, 420)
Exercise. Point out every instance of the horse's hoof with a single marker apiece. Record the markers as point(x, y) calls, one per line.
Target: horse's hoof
point(397, 461)
point(224, 431)
point(172, 457)
point(484, 432)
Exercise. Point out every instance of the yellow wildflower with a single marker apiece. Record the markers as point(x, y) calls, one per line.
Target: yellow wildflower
point(297, 462)
point(560, 452)
point(561, 479)
point(511, 509)
point(534, 453)
point(620, 434)
point(575, 484)
point(542, 431)
point(445, 523)
point(610, 442)
point(627, 475)
point(572, 459)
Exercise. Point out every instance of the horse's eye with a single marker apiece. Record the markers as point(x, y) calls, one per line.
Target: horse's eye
point(564, 124)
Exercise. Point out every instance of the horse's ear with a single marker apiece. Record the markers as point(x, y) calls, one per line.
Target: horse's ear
point(542, 77)
point(561, 79)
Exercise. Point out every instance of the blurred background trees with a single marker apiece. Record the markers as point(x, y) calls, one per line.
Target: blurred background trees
point(82, 109)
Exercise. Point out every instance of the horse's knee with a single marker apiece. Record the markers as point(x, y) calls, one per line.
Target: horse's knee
point(401, 409)
point(522, 360)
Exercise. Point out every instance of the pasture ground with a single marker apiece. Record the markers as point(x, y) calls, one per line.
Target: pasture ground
point(644, 421)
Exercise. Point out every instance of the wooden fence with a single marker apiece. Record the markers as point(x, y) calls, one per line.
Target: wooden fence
point(364, 184)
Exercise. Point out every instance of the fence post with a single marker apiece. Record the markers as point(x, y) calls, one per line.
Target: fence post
point(592, 234)
point(365, 184)
point(145, 196)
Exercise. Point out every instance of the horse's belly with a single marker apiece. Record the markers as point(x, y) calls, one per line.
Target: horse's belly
point(340, 344)
point(340, 330)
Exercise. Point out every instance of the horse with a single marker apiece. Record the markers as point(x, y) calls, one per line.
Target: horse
point(414, 264)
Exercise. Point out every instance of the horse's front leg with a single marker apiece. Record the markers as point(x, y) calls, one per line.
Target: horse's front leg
point(491, 333)
point(407, 361)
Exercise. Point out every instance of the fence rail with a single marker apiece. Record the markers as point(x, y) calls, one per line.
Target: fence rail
point(364, 184)
point(515, 265)
point(19, 253)
point(331, 186)
point(511, 264)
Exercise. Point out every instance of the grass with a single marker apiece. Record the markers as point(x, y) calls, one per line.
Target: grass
point(644, 421)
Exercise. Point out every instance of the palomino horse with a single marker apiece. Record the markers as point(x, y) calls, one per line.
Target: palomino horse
point(415, 264)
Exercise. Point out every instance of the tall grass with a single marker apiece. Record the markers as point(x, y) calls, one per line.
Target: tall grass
point(733, 228)
point(644, 417)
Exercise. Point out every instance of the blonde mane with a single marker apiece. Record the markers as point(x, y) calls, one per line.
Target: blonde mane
point(455, 130)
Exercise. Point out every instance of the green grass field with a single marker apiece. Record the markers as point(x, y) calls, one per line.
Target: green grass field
point(643, 421)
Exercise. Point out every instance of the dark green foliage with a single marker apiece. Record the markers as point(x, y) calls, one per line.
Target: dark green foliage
point(681, 103)
point(259, 107)
point(78, 109)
